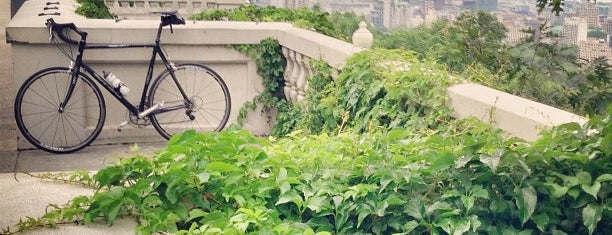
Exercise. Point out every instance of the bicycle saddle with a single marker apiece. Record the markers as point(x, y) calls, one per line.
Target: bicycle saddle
point(170, 18)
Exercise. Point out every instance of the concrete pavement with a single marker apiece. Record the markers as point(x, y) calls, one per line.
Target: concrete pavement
point(23, 195)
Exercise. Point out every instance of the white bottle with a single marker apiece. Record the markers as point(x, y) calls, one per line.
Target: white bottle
point(112, 80)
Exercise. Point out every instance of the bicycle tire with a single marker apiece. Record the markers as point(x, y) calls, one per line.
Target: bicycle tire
point(206, 91)
point(42, 123)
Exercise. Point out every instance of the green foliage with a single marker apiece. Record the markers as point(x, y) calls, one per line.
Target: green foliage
point(472, 38)
point(381, 90)
point(594, 91)
point(472, 47)
point(467, 179)
point(270, 66)
point(335, 25)
point(95, 9)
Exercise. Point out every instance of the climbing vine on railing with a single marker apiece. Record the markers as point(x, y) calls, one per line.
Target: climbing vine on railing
point(271, 67)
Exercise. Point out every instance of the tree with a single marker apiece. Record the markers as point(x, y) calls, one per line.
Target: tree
point(556, 6)
point(477, 38)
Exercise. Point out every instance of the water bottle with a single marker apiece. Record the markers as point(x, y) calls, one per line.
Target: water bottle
point(112, 80)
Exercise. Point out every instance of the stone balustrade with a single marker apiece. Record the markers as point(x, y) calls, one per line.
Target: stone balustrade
point(206, 42)
point(141, 9)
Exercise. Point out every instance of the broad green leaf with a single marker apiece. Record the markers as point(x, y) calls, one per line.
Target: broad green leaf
point(461, 161)
point(468, 202)
point(282, 174)
point(443, 161)
point(541, 221)
point(414, 208)
point(584, 178)
point(222, 167)
point(444, 224)
point(591, 215)
point(290, 196)
point(323, 233)
point(284, 187)
point(557, 191)
point(394, 200)
point(526, 201)
point(460, 225)
point(480, 192)
point(492, 161)
point(112, 210)
point(315, 203)
point(592, 190)
point(604, 178)
point(411, 225)
point(438, 206)
point(362, 215)
point(203, 177)
point(475, 222)
point(196, 213)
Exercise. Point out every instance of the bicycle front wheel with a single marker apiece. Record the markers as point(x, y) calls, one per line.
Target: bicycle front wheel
point(206, 107)
point(48, 127)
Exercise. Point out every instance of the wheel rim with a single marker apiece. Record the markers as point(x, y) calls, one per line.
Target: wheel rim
point(46, 126)
point(209, 101)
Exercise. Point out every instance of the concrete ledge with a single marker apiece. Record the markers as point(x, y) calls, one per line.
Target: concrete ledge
point(517, 116)
point(30, 196)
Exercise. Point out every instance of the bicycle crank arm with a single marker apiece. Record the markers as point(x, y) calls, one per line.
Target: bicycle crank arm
point(148, 111)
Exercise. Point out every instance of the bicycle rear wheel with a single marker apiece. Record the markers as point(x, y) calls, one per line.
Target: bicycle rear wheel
point(42, 123)
point(208, 103)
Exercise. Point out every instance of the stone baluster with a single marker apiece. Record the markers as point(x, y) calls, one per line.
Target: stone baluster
point(296, 75)
point(288, 53)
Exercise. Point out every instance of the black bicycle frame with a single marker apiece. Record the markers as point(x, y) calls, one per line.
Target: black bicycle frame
point(157, 51)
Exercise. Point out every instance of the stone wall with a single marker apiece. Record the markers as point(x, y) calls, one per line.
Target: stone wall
point(8, 138)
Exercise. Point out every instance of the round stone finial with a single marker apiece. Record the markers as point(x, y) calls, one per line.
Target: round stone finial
point(362, 36)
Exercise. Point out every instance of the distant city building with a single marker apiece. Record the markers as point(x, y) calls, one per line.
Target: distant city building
point(607, 26)
point(574, 30)
point(588, 11)
point(589, 50)
point(480, 5)
point(439, 4)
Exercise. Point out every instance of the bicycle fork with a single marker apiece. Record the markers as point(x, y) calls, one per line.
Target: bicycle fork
point(73, 80)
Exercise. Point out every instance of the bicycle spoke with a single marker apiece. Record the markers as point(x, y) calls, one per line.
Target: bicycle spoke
point(208, 101)
point(59, 131)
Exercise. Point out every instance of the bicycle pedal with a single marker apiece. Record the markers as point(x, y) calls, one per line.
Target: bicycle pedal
point(121, 125)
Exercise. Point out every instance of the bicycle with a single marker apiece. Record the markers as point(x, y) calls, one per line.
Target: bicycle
point(61, 109)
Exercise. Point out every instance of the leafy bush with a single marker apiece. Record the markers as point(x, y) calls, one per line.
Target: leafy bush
point(380, 90)
point(93, 9)
point(468, 179)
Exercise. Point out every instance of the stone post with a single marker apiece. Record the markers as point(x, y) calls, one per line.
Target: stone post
point(362, 37)
point(8, 135)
